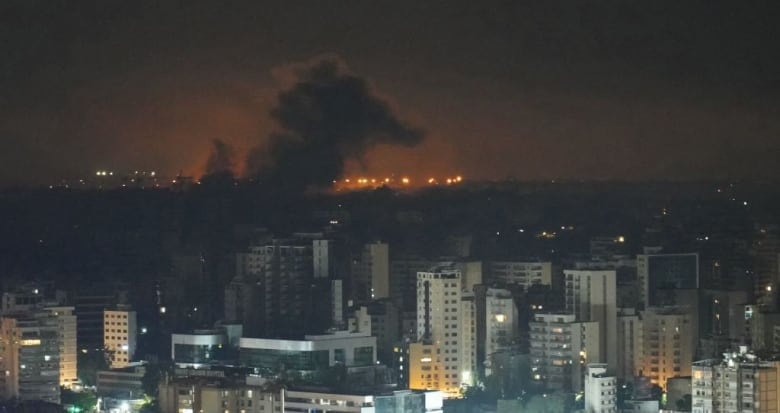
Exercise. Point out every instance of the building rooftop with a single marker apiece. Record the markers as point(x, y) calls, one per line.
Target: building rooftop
point(743, 357)
point(445, 269)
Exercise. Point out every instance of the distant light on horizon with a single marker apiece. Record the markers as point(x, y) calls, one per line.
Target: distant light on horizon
point(365, 182)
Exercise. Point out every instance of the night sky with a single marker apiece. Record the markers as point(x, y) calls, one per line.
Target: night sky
point(593, 89)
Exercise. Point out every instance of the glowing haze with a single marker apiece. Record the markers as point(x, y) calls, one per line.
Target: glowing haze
point(327, 117)
point(611, 89)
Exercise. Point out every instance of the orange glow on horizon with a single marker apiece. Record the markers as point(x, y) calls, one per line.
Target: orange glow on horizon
point(348, 184)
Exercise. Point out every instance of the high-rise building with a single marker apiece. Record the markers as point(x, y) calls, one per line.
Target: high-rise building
point(765, 265)
point(23, 299)
point(65, 319)
point(274, 292)
point(560, 349)
point(600, 390)
point(403, 279)
point(723, 314)
point(740, 383)
point(521, 273)
point(90, 304)
point(119, 336)
point(762, 330)
point(471, 274)
point(591, 296)
point(500, 320)
point(435, 362)
point(374, 270)
point(337, 304)
point(657, 272)
point(605, 248)
point(667, 342)
point(468, 339)
point(386, 327)
point(426, 368)
point(776, 339)
point(401, 363)
point(625, 272)
point(323, 255)
point(29, 358)
point(458, 246)
point(30, 302)
point(629, 343)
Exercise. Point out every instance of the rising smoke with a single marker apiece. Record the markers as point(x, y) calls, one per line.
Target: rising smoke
point(328, 116)
point(220, 160)
point(220, 165)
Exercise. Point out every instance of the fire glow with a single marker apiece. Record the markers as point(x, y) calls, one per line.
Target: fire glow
point(401, 181)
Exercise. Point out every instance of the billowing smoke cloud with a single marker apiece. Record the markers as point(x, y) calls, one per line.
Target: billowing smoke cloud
point(220, 159)
point(219, 168)
point(326, 117)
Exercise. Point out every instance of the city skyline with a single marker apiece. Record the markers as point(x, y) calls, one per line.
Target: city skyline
point(389, 207)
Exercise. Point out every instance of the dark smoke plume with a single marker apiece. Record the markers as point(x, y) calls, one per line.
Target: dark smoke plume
point(220, 159)
point(219, 165)
point(327, 117)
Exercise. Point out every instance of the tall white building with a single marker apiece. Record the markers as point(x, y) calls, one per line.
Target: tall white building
point(600, 390)
point(500, 320)
point(740, 383)
point(435, 361)
point(592, 296)
point(471, 274)
point(119, 336)
point(560, 349)
point(65, 319)
point(667, 343)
